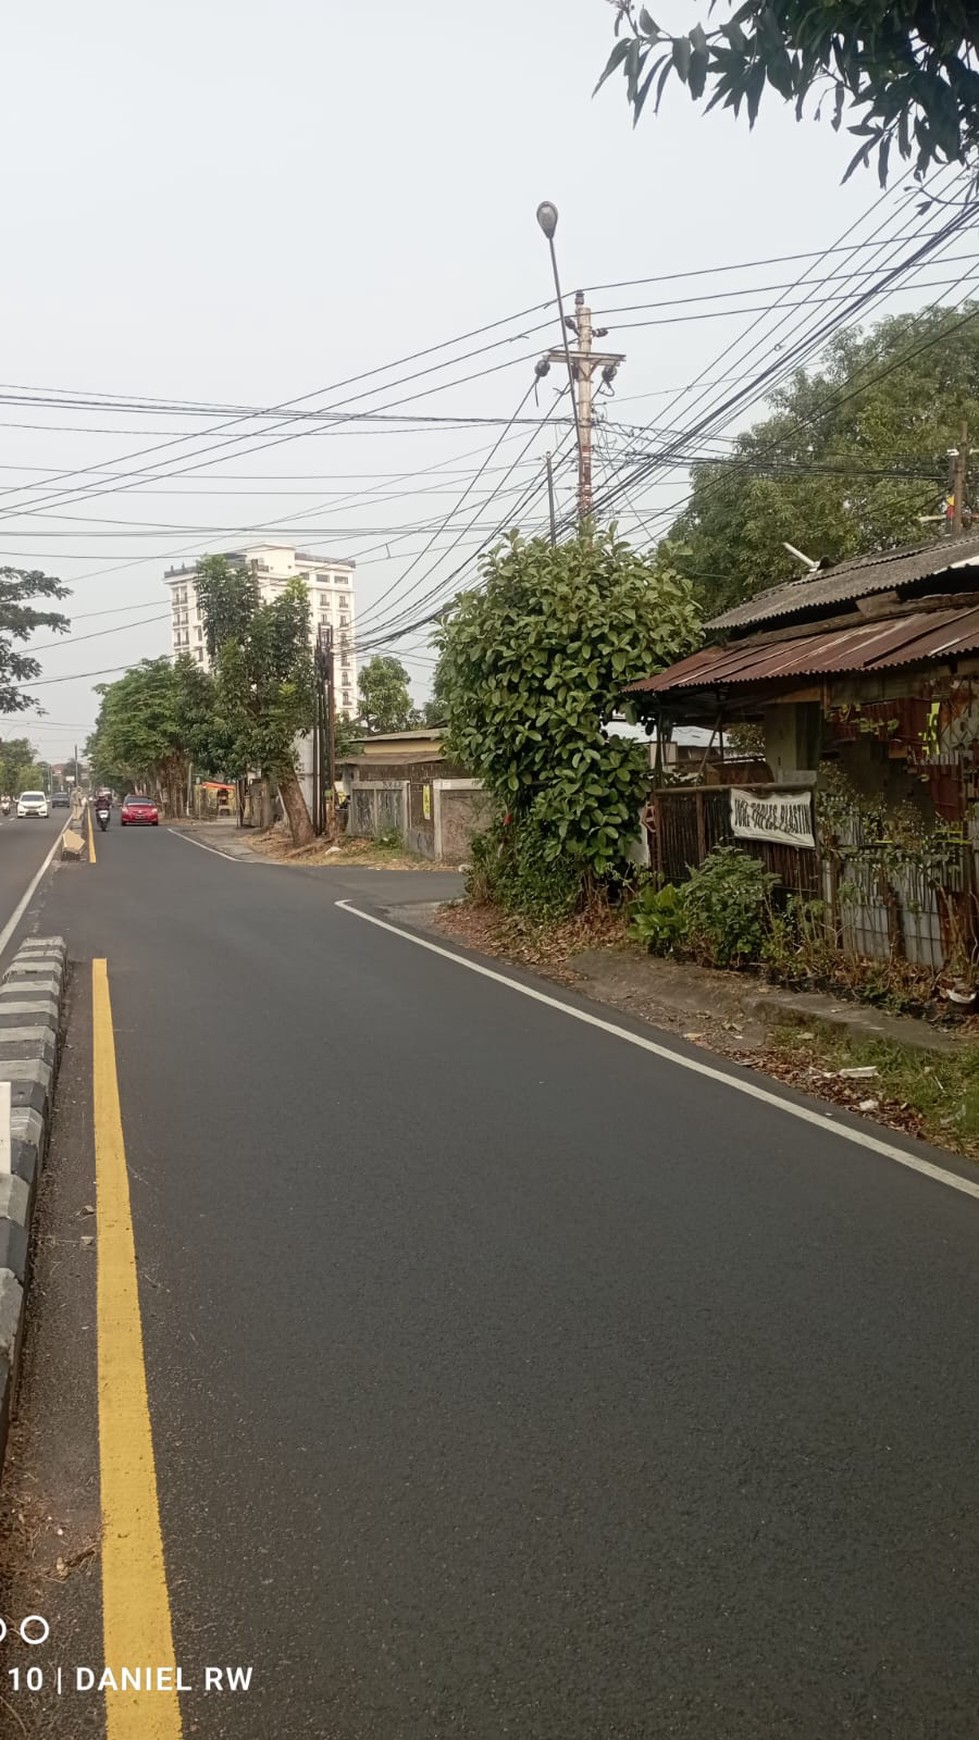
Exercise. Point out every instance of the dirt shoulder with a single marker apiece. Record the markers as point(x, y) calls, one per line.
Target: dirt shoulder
point(349, 853)
point(913, 1076)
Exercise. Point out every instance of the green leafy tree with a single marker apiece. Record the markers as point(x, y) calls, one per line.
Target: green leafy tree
point(152, 724)
point(20, 768)
point(385, 700)
point(906, 70)
point(533, 665)
point(850, 460)
point(263, 679)
point(434, 711)
point(18, 621)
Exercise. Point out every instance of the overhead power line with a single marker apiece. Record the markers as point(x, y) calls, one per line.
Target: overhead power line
point(793, 355)
point(337, 386)
point(70, 639)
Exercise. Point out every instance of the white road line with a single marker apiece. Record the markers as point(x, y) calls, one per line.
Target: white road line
point(216, 852)
point(821, 1120)
point(15, 917)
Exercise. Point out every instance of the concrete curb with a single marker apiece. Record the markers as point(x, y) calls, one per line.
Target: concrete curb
point(32, 994)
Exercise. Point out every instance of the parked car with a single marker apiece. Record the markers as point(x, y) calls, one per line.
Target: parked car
point(139, 812)
point(61, 800)
point(32, 803)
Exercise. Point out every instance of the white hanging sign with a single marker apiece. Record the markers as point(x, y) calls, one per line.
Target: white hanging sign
point(784, 817)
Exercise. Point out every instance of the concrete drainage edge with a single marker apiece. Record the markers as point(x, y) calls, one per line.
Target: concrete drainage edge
point(32, 998)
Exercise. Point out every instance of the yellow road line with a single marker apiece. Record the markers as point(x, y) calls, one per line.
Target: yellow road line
point(91, 840)
point(135, 1605)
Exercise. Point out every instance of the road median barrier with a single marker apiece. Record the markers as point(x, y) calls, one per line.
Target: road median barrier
point(32, 993)
point(72, 844)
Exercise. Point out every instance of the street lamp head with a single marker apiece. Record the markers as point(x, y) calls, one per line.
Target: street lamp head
point(547, 218)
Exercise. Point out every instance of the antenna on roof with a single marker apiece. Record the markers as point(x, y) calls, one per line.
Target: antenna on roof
point(807, 561)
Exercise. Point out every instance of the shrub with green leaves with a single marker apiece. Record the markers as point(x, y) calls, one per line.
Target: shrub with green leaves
point(658, 919)
point(725, 906)
point(511, 867)
point(532, 667)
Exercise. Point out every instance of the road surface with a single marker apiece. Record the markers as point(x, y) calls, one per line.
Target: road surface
point(505, 1378)
point(23, 848)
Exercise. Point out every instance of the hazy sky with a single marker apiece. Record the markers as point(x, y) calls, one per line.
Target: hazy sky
point(236, 204)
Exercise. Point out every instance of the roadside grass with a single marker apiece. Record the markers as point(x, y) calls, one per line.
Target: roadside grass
point(935, 1095)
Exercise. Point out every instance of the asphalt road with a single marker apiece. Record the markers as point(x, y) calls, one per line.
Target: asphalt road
point(23, 849)
point(505, 1379)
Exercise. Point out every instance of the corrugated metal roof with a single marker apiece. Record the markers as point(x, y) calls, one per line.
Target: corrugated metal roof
point(854, 579)
point(877, 646)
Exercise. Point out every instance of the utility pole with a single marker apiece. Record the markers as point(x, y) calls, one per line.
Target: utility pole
point(317, 816)
point(324, 746)
point(583, 363)
point(331, 738)
point(550, 498)
point(960, 465)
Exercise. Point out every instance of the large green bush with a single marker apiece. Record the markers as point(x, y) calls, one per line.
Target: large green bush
point(532, 667)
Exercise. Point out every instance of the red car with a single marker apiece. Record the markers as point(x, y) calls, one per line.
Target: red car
point(139, 812)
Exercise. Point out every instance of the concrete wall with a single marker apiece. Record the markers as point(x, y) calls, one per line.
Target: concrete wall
point(439, 807)
point(462, 808)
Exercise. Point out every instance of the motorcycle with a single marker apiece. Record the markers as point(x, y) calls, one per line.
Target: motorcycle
point(5, 806)
point(102, 814)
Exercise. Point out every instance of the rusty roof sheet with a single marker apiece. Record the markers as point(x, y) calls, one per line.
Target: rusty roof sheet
point(855, 579)
point(877, 646)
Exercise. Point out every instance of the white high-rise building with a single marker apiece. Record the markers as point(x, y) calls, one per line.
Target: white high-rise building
point(329, 582)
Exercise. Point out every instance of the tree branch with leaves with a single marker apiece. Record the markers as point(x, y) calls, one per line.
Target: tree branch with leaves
point(18, 621)
point(907, 70)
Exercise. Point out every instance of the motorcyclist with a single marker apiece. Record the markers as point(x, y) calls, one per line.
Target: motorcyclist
point(103, 808)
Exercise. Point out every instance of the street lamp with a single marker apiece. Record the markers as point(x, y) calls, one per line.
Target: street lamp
point(547, 219)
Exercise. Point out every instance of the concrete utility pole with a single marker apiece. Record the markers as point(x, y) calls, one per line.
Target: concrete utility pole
point(581, 362)
point(324, 736)
point(331, 737)
point(585, 363)
point(960, 465)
